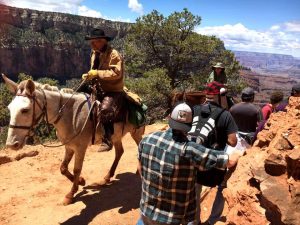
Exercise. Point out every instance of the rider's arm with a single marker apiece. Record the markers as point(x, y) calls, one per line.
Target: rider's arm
point(115, 67)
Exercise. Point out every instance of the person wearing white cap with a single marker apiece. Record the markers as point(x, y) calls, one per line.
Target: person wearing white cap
point(167, 161)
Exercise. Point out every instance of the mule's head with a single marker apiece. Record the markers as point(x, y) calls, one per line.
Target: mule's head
point(22, 111)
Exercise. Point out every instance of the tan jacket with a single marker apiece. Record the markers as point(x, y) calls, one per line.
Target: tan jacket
point(110, 70)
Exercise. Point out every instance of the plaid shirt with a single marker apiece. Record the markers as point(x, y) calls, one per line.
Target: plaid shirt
point(169, 175)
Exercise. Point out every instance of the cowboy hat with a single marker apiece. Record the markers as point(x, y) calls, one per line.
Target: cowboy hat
point(97, 33)
point(218, 65)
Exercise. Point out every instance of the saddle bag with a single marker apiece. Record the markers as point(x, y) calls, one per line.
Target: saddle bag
point(137, 114)
point(136, 109)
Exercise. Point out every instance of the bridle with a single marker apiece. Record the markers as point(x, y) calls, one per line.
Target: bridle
point(35, 120)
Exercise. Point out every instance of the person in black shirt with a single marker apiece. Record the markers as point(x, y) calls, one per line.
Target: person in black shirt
point(226, 131)
point(246, 115)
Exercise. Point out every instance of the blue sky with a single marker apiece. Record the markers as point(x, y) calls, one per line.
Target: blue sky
point(246, 25)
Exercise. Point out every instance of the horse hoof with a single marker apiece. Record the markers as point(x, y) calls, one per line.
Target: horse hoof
point(81, 181)
point(67, 201)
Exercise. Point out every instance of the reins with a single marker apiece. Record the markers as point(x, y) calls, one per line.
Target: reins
point(75, 135)
point(61, 109)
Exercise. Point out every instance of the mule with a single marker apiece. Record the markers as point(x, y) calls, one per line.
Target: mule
point(33, 101)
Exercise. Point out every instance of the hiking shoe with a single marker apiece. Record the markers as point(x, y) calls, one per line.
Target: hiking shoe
point(104, 147)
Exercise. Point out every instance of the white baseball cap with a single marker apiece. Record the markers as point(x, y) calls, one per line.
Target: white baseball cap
point(181, 117)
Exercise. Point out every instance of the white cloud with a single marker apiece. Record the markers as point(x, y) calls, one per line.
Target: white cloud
point(120, 19)
point(275, 27)
point(66, 6)
point(135, 6)
point(292, 26)
point(85, 11)
point(280, 38)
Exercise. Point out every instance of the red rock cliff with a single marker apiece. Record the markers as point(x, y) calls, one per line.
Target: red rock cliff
point(265, 186)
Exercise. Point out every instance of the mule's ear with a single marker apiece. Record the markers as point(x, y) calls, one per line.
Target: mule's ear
point(11, 85)
point(30, 87)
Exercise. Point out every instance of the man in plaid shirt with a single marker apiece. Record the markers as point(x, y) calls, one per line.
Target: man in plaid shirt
point(167, 161)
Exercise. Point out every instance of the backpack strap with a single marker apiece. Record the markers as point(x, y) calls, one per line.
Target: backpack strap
point(203, 126)
point(217, 116)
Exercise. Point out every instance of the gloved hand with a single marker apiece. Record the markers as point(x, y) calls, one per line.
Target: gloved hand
point(84, 76)
point(90, 75)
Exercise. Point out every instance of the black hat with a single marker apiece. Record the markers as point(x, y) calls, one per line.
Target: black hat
point(97, 33)
point(248, 91)
point(247, 94)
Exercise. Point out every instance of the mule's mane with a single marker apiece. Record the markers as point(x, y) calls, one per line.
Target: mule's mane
point(49, 87)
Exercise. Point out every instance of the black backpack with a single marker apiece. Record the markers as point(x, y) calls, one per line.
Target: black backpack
point(204, 132)
point(203, 127)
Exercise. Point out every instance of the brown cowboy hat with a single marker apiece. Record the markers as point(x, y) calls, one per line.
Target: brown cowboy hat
point(97, 33)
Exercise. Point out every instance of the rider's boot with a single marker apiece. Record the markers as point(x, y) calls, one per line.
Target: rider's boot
point(106, 144)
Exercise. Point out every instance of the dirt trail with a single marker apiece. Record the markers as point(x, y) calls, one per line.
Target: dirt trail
point(32, 189)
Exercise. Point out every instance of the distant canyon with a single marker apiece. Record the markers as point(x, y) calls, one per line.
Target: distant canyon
point(269, 72)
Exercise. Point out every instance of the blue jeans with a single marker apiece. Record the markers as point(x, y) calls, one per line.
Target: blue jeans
point(146, 221)
point(140, 221)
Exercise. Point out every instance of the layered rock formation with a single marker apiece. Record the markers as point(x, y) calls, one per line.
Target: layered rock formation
point(266, 84)
point(269, 72)
point(47, 44)
point(270, 64)
point(265, 188)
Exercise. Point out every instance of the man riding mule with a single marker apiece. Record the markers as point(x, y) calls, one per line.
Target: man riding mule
point(107, 69)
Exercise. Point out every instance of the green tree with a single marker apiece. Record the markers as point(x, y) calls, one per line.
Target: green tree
point(47, 80)
point(154, 88)
point(5, 99)
point(170, 42)
point(23, 76)
point(73, 83)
